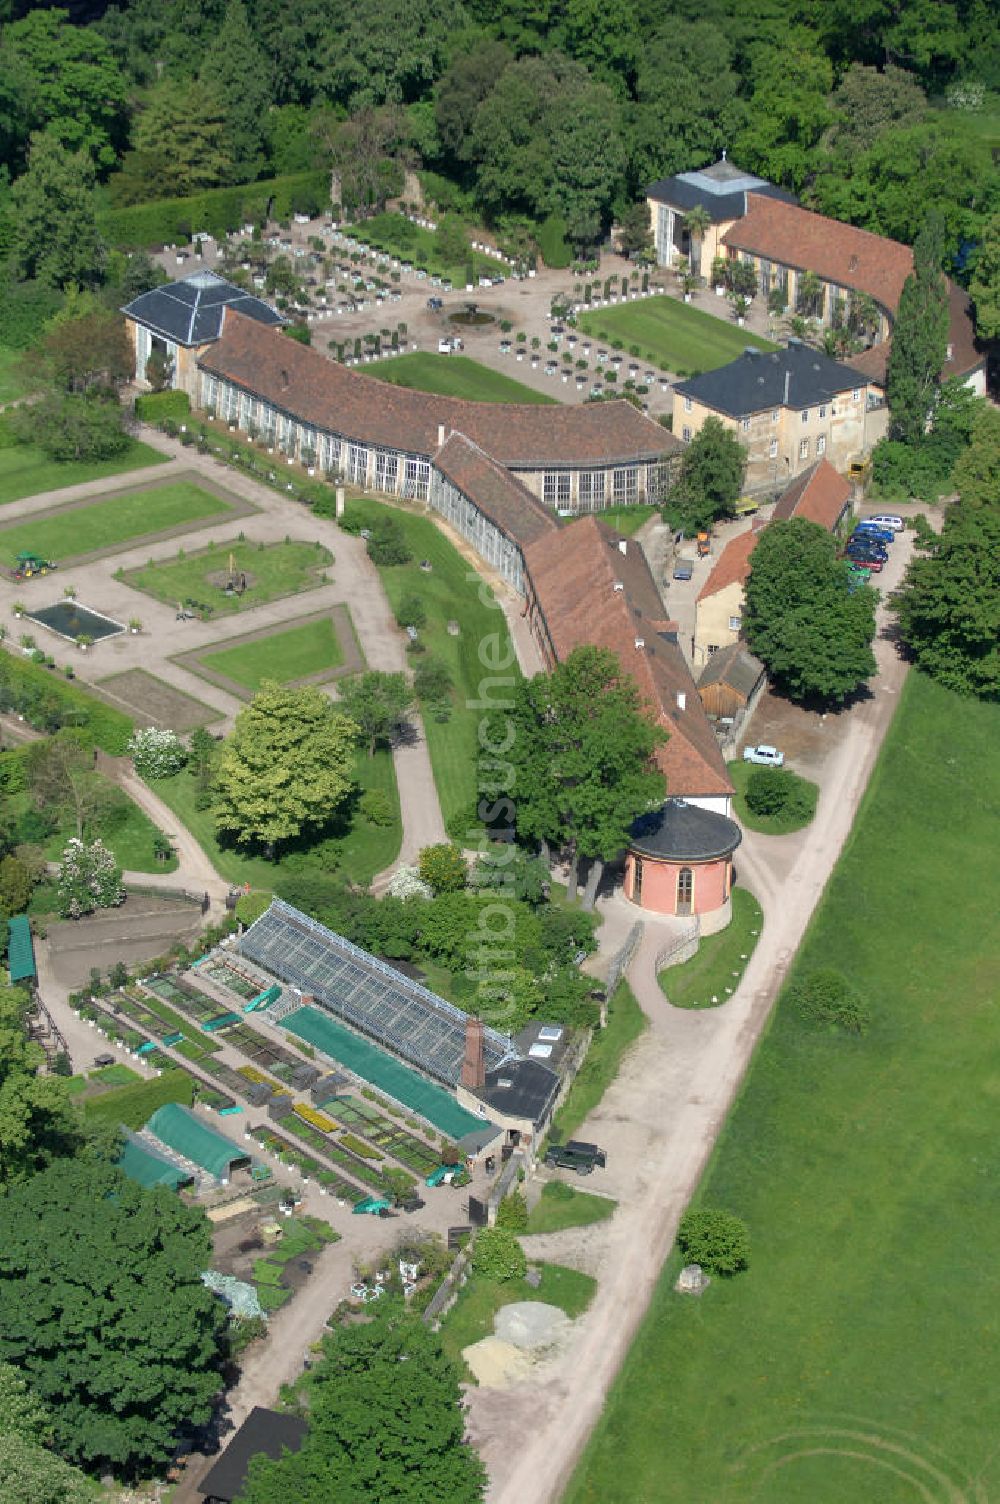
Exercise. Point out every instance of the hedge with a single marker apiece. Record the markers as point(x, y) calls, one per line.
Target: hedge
point(171, 221)
point(48, 703)
point(155, 406)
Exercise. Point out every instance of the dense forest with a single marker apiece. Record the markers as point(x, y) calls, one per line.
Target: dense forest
point(870, 110)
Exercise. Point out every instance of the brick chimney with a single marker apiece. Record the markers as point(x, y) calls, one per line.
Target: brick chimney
point(473, 1066)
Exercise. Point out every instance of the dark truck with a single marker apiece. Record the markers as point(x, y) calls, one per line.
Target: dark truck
point(577, 1156)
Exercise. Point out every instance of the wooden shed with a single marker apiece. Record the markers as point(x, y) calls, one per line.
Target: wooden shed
point(730, 680)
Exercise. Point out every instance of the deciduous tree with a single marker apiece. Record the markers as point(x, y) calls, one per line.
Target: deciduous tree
point(74, 87)
point(385, 1422)
point(919, 339)
point(985, 284)
point(443, 867)
point(710, 479)
point(377, 702)
point(29, 1472)
point(123, 1345)
point(949, 608)
point(55, 236)
point(285, 768)
point(37, 1124)
point(812, 634)
point(583, 755)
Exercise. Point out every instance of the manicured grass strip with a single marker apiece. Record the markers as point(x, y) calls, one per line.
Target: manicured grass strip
point(133, 1105)
point(273, 570)
point(561, 1206)
point(471, 1317)
point(25, 470)
point(626, 1021)
point(448, 594)
point(714, 972)
point(284, 656)
point(364, 848)
point(672, 334)
point(114, 520)
point(841, 1365)
point(453, 376)
point(785, 821)
point(115, 1075)
point(48, 702)
point(627, 520)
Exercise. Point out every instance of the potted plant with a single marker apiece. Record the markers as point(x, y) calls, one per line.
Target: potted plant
point(84, 641)
point(719, 274)
point(18, 609)
point(134, 625)
point(69, 591)
point(739, 305)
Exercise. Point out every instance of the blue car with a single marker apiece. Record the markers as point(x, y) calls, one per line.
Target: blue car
point(872, 530)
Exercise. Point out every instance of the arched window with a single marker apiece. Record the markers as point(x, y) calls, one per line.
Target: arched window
point(685, 890)
point(637, 879)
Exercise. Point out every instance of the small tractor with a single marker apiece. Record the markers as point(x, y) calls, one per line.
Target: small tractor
point(28, 564)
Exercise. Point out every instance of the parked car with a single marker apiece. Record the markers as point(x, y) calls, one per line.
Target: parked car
point(870, 561)
point(764, 754)
point(434, 304)
point(886, 519)
point(576, 1155)
point(872, 530)
point(860, 544)
point(444, 346)
point(683, 569)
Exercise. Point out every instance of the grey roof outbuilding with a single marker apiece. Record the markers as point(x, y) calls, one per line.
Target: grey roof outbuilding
point(521, 1089)
point(191, 312)
point(721, 189)
point(681, 832)
point(264, 1433)
point(797, 377)
point(735, 666)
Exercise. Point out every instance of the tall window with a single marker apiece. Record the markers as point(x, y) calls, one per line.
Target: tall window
point(637, 879)
point(592, 490)
point(804, 449)
point(625, 486)
point(821, 444)
point(357, 464)
point(556, 488)
point(416, 478)
point(772, 449)
point(386, 467)
point(685, 890)
point(686, 434)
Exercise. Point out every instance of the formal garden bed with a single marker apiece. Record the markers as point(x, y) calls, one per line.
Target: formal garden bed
point(261, 572)
point(105, 524)
point(454, 376)
point(671, 335)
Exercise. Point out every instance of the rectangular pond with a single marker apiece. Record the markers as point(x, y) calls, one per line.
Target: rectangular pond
point(74, 621)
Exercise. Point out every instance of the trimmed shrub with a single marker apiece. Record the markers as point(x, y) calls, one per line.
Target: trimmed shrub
point(157, 753)
point(48, 704)
point(376, 807)
point(217, 210)
point(717, 1240)
point(411, 611)
point(154, 407)
point(776, 791)
point(512, 1213)
point(498, 1255)
point(826, 998)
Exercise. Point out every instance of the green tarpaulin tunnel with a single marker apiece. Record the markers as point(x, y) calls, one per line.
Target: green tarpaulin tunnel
point(20, 951)
point(180, 1130)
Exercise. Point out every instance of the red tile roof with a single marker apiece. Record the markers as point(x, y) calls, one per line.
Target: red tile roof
point(317, 391)
point(964, 356)
point(834, 251)
point(495, 491)
point(732, 566)
point(819, 494)
point(573, 573)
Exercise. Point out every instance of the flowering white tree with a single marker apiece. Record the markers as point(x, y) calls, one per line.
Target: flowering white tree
point(157, 754)
point(406, 882)
point(89, 879)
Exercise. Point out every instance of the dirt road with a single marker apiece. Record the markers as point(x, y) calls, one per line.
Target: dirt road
point(662, 1116)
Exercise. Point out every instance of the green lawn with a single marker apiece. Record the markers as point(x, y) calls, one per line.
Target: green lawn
point(102, 524)
point(362, 849)
point(850, 1361)
point(627, 520)
point(471, 1317)
point(273, 570)
point(134, 1105)
point(25, 470)
point(448, 593)
point(671, 334)
point(398, 236)
point(284, 656)
point(12, 383)
point(782, 823)
point(561, 1206)
point(122, 826)
point(626, 1021)
point(453, 376)
point(721, 959)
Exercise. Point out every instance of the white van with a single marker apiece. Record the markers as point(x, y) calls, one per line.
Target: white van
point(886, 519)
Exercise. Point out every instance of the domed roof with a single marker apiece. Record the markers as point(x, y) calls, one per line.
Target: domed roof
point(682, 832)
